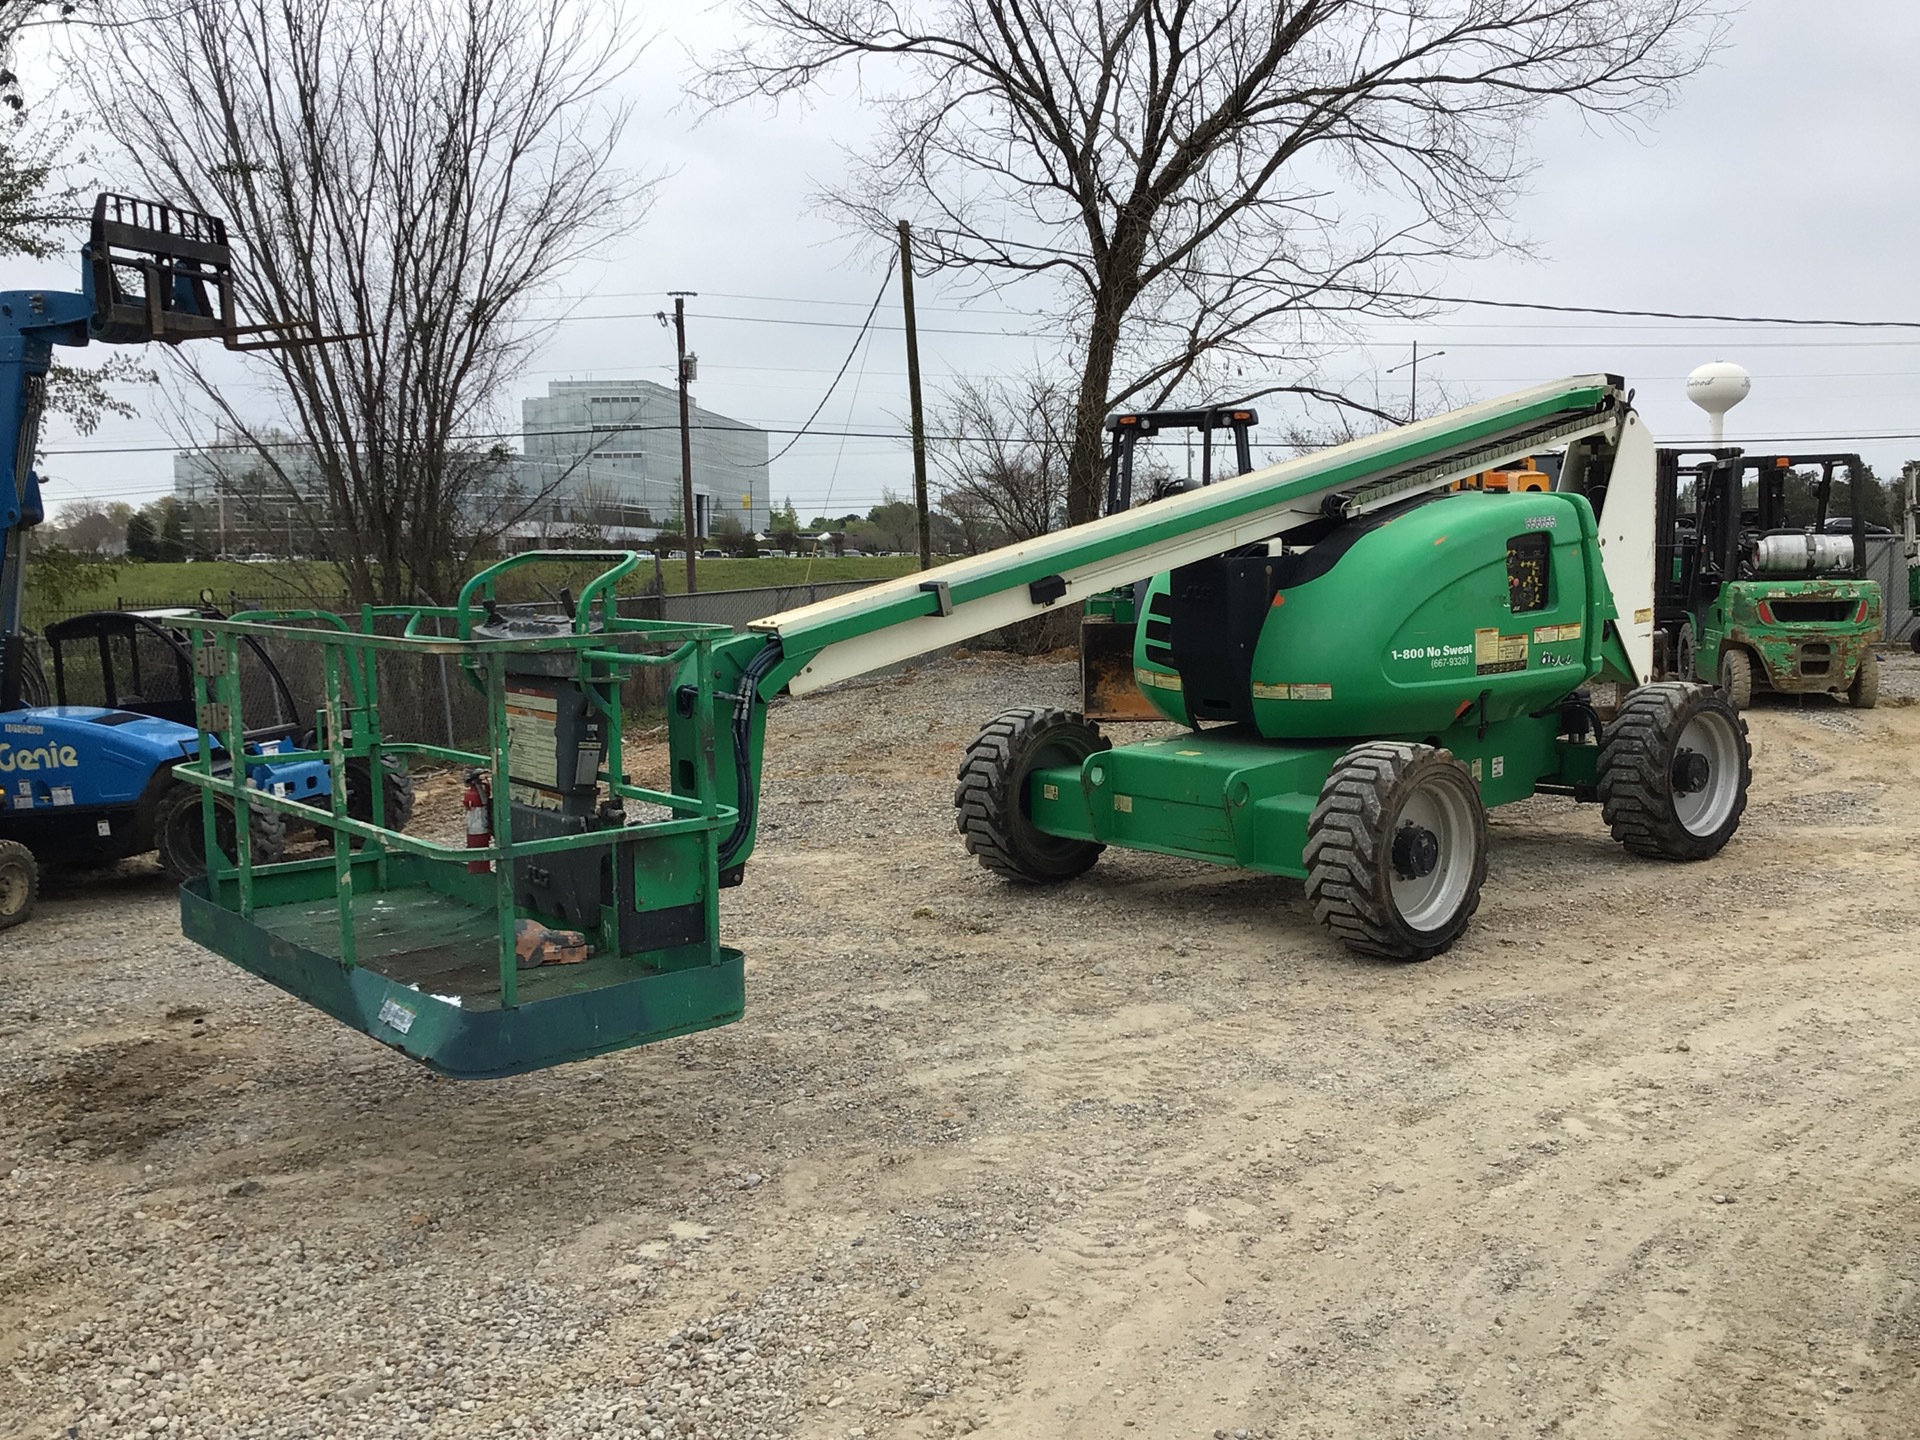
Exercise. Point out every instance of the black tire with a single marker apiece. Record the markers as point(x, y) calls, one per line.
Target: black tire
point(1685, 655)
point(1913, 641)
point(1736, 678)
point(1374, 806)
point(1864, 692)
point(396, 789)
point(992, 798)
point(181, 840)
point(19, 884)
point(1657, 802)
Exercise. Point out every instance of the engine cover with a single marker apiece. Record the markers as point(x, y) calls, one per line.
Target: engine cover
point(1475, 604)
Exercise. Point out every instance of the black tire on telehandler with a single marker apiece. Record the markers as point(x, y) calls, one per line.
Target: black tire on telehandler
point(1674, 770)
point(993, 796)
point(396, 790)
point(181, 841)
point(1397, 850)
point(19, 883)
point(1864, 692)
point(1736, 678)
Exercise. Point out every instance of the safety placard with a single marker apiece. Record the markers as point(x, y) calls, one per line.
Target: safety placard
point(532, 717)
point(1496, 654)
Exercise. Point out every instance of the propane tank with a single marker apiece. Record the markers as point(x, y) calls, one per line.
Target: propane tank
point(478, 803)
point(1802, 554)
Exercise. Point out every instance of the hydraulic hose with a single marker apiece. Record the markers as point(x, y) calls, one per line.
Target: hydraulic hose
point(744, 701)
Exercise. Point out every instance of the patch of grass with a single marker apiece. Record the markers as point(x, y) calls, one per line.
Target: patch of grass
point(141, 586)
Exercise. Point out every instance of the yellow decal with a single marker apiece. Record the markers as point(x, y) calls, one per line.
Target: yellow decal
point(1494, 652)
point(1189, 752)
point(1156, 679)
point(1049, 792)
point(1263, 691)
point(1643, 617)
point(1476, 770)
point(1551, 634)
point(1123, 803)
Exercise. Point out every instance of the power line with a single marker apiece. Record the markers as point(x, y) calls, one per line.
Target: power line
point(1427, 298)
point(872, 310)
point(1550, 307)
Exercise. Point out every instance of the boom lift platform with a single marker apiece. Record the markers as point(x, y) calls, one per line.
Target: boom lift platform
point(1362, 657)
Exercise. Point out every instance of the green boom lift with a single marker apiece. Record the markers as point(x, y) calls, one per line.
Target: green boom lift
point(1359, 659)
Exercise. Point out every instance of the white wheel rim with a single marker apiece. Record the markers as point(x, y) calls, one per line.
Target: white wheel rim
point(13, 889)
point(1427, 902)
point(1711, 735)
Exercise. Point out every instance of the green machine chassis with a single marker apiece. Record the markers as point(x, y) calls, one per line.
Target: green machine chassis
point(393, 935)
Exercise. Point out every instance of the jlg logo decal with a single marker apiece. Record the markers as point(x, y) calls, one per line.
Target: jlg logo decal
point(40, 757)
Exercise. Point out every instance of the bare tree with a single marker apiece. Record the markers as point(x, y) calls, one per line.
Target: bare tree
point(1192, 173)
point(409, 173)
point(1001, 447)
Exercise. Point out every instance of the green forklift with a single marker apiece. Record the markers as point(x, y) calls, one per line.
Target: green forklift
point(1761, 582)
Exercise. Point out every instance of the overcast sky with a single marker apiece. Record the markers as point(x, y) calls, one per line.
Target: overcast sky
point(1782, 184)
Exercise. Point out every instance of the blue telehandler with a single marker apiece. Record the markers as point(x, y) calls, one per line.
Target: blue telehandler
point(87, 752)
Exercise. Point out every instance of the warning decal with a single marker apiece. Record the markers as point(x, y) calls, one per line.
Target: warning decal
point(1496, 654)
point(531, 739)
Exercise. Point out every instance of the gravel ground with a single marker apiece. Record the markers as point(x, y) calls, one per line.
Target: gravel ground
point(1142, 1155)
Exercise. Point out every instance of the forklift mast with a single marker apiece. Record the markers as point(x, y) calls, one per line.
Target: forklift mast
point(149, 273)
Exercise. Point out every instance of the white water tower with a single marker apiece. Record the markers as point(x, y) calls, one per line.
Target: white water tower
point(1716, 389)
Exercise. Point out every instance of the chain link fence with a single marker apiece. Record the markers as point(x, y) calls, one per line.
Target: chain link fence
point(427, 697)
point(1887, 563)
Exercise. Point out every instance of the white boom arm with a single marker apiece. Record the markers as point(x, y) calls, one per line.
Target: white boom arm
point(884, 624)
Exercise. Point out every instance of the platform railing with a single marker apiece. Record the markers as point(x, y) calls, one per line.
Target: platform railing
point(350, 728)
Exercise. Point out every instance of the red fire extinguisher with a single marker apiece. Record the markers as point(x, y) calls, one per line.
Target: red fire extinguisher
point(478, 802)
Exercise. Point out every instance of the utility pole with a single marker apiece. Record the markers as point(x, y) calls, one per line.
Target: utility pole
point(689, 520)
point(913, 398)
point(1413, 380)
